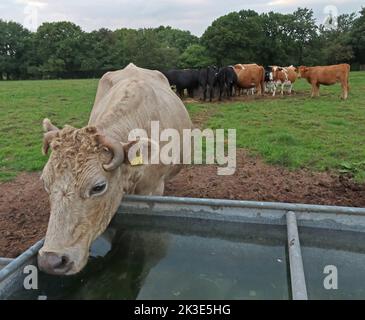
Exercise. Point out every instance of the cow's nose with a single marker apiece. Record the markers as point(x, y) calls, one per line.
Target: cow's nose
point(54, 263)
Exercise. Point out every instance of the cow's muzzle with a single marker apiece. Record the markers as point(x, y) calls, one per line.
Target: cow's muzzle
point(54, 263)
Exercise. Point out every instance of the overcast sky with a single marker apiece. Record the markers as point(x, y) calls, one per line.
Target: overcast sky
point(193, 15)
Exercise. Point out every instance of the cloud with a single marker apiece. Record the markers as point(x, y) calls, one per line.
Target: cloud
point(33, 3)
point(281, 2)
point(193, 15)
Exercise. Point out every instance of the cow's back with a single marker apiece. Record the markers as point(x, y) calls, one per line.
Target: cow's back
point(132, 98)
point(329, 74)
point(184, 79)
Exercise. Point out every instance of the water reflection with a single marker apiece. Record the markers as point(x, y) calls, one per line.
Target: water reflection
point(150, 260)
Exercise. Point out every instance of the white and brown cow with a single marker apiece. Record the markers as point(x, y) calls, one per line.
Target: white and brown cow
point(281, 76)
point(88, 171)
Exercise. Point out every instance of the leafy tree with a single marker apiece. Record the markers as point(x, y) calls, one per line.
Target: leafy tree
point(62, 49)
point(144, 48)
point(303, 30)
point(358, 37)
point(59, 46)
point(336, 42)
point(14, 46)
point(234, 38)
point(195, 56)
point(100, 52)
point(175, 38)
point(278, 46)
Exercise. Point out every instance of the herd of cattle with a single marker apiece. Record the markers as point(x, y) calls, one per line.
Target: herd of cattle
point(253, 78)
point(89, 170)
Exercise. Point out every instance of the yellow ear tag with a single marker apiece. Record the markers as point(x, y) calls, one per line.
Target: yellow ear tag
point(138, 160)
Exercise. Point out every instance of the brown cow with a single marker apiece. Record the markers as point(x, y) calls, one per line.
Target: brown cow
point(250, 76)
point(327, 75)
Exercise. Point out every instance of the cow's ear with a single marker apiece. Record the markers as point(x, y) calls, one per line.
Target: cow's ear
point(50, 132)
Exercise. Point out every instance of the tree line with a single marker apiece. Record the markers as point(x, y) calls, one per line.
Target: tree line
point(64, 50)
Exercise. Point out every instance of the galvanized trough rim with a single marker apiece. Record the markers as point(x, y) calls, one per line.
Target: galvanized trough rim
point(247, 204)
point(17, 262)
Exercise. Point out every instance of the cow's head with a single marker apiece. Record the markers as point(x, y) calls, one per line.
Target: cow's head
point(269, 76)
point(291, 67)
point(302, 71)
point(82, 178)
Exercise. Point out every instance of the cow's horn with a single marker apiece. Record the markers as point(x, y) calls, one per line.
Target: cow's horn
point(47, 138)
point(49, 126)
point(50, 133)
point(115, 148)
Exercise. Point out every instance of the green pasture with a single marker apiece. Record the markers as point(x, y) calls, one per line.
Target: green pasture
point(295, 131)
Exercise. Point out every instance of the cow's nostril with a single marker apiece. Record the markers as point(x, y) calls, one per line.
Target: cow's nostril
point(65, 260)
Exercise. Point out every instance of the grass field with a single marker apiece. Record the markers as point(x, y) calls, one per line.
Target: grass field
point(296, 132)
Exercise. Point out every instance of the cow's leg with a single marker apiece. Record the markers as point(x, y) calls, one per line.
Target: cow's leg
point(204, 93)
point(180, 92)
point(346, 90)
point(274, 89)
point(344, 94)
point(259, 90)
point(313, 92)
point(229, 91)
point(211, 93)
point(317, 89)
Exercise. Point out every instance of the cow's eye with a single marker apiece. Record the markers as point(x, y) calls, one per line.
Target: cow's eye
point(98, 188)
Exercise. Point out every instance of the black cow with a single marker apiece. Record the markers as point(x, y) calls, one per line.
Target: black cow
point(183, 79)
point(226, 79)
point(208, 78)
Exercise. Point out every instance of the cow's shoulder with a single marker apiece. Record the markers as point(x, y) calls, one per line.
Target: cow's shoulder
point(135, 74)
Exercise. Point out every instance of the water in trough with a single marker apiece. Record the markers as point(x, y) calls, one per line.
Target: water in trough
point(177, 259)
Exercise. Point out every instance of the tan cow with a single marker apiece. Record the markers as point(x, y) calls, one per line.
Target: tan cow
point(250, 76)
point(89, 170)
point(327, 75)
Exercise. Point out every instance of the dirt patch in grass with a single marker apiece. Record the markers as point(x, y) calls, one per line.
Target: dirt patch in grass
point(24, 207)
point(254, 180)
point(24, 212)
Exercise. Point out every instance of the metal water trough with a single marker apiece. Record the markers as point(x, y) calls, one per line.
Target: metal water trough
point(190, 210)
